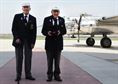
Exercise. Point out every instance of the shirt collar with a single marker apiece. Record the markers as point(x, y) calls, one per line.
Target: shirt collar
point(56, 18)
point(25, 15)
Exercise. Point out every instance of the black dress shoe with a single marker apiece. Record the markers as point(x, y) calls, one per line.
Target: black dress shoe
point(18, 79)
point(49, 78)
point(58, 78)
point(30, 78)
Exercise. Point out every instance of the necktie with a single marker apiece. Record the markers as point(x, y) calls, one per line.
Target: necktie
point(25, 19)
point(55, 22)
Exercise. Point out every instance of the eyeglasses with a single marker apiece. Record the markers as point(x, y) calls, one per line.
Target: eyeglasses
point(25, 6)
point(55, 10)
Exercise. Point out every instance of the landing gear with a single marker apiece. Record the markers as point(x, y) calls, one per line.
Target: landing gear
point(106, 42)
point(73, 36)
point(90, 41)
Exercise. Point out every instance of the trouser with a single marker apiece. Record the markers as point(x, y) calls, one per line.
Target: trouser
point(27, 51)
point(53, 57)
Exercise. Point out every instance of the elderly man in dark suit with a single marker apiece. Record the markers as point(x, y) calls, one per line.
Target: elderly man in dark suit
point(54, 29)
point(24, 36)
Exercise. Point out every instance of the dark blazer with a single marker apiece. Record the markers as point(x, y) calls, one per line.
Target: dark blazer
point(19, 30)
point(53, 42)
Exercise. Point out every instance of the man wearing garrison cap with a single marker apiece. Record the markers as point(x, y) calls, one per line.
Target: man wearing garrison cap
point(54, 29)
point(24, 36)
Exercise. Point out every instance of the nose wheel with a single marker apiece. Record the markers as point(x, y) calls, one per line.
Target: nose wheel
point(90, 41)
point(106, 42)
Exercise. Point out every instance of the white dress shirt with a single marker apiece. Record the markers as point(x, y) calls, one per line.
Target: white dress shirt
point(57, 21)
point(27, 18)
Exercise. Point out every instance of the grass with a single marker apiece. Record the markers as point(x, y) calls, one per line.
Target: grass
point(82, 37)
point(6, 36)
point(9, 36)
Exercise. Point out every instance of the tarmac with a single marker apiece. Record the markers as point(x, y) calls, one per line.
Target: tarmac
point(79, 64)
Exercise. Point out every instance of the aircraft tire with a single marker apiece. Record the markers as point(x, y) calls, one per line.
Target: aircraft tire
point(90, 41)
point(106, 42)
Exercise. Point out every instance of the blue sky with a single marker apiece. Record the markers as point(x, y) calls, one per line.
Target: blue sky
point(41, 9)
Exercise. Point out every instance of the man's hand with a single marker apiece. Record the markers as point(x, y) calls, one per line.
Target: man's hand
point(18, 41)
point(49, 33)
point(32, 46)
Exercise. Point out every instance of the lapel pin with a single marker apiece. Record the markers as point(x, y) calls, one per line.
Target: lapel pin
point(50, 20)
point(21, 18)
